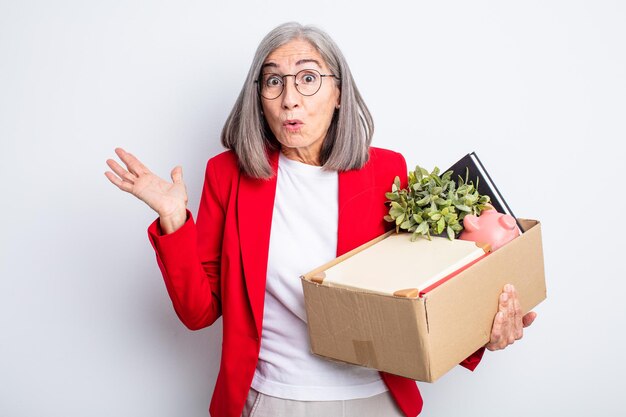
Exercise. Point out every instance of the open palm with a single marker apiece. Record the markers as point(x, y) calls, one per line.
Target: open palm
point(168, 199)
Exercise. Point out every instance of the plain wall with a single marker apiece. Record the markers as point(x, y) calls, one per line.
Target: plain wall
point(536, 88)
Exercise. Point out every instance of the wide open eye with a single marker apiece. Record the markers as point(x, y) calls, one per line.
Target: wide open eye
point(272, 81)
point(308, 77)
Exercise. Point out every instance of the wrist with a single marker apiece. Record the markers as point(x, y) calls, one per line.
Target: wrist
point(172, 222)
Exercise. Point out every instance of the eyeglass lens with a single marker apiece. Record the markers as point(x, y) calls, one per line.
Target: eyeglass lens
point(308, 82)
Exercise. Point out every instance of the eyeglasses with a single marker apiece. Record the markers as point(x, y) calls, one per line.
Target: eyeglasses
point(308, 82)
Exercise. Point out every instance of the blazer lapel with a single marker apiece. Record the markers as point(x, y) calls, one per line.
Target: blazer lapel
point(351, 184)
point(255, 205)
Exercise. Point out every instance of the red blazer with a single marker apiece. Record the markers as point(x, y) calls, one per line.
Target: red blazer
point(218, 266)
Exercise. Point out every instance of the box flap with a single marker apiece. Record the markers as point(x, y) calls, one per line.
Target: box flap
point(317, 274)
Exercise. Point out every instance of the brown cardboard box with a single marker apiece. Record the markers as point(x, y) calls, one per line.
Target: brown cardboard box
point(423, 338)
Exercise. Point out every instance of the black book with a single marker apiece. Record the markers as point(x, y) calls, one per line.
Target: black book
point(471, 168)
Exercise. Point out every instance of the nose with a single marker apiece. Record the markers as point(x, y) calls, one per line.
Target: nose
point(290, 96)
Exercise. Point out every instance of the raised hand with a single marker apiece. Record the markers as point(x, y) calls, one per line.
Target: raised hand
point(168, 199)
point(509, 323)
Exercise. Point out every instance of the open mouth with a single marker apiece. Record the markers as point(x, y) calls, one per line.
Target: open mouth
point(292, 124)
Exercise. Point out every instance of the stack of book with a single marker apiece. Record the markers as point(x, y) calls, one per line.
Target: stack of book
point(396, 266)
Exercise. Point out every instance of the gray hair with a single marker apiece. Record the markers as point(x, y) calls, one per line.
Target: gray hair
point(349, 135)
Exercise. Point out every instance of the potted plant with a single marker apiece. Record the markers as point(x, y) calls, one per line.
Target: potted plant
point(432, 204)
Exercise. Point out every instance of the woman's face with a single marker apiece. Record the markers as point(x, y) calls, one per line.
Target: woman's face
point(300, 122)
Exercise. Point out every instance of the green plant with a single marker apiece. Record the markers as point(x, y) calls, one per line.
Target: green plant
point(433, 204)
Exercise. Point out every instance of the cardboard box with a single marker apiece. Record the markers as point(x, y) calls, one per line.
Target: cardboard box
point(422, 338)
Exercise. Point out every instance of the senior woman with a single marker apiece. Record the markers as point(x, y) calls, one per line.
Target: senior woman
point(298, 186)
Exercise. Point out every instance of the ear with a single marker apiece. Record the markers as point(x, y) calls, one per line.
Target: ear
point(508, 222)
point(338, 93)
point(470, 223)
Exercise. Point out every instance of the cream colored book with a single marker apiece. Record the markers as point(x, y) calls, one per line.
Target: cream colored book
point(397, 266)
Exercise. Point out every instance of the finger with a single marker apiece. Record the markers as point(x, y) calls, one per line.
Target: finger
point(514, 322)
point(510, 308)
point(503, 304)
point(134, 165)
point(503, 307)
point(519, 328)
point(507, 308)
point(502, 322)
point(510, 326)
point(528, 319)
point(496, 332)
point(121, 172)
point(177, 175)
point(122, 185)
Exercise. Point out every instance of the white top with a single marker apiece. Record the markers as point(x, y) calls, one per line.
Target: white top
point(303, 237)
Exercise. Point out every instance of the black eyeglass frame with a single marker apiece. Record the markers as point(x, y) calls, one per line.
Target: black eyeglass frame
point(322, 76)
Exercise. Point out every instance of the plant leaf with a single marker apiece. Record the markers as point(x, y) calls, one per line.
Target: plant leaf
point(422, 202)
point(441, 224)
point(396, 182)
point(422, 228)
point(396, 212)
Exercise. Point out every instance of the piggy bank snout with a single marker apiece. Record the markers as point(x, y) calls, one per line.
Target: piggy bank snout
point(470, 223)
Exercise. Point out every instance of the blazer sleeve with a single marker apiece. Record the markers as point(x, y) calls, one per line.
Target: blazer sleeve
point(472, 361)
point(189, 259)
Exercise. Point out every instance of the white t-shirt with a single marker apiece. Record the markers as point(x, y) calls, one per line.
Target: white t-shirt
point(303, 237)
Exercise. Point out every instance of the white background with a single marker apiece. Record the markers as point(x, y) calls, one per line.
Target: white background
point(536, 88)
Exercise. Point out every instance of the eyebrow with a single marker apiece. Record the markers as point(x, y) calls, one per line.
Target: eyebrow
point(300, 62)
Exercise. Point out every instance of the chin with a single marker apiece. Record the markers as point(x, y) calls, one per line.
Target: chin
point(294, 143)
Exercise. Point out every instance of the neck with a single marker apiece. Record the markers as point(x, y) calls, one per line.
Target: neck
point(306, 156)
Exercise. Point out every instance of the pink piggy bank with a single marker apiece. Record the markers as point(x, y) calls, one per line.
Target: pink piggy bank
point(491, 227)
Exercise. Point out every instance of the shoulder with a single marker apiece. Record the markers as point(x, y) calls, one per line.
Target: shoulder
point(225, 161)
point(385, 159)
point(384, 154)
point(222, 172)
point(386, 164)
